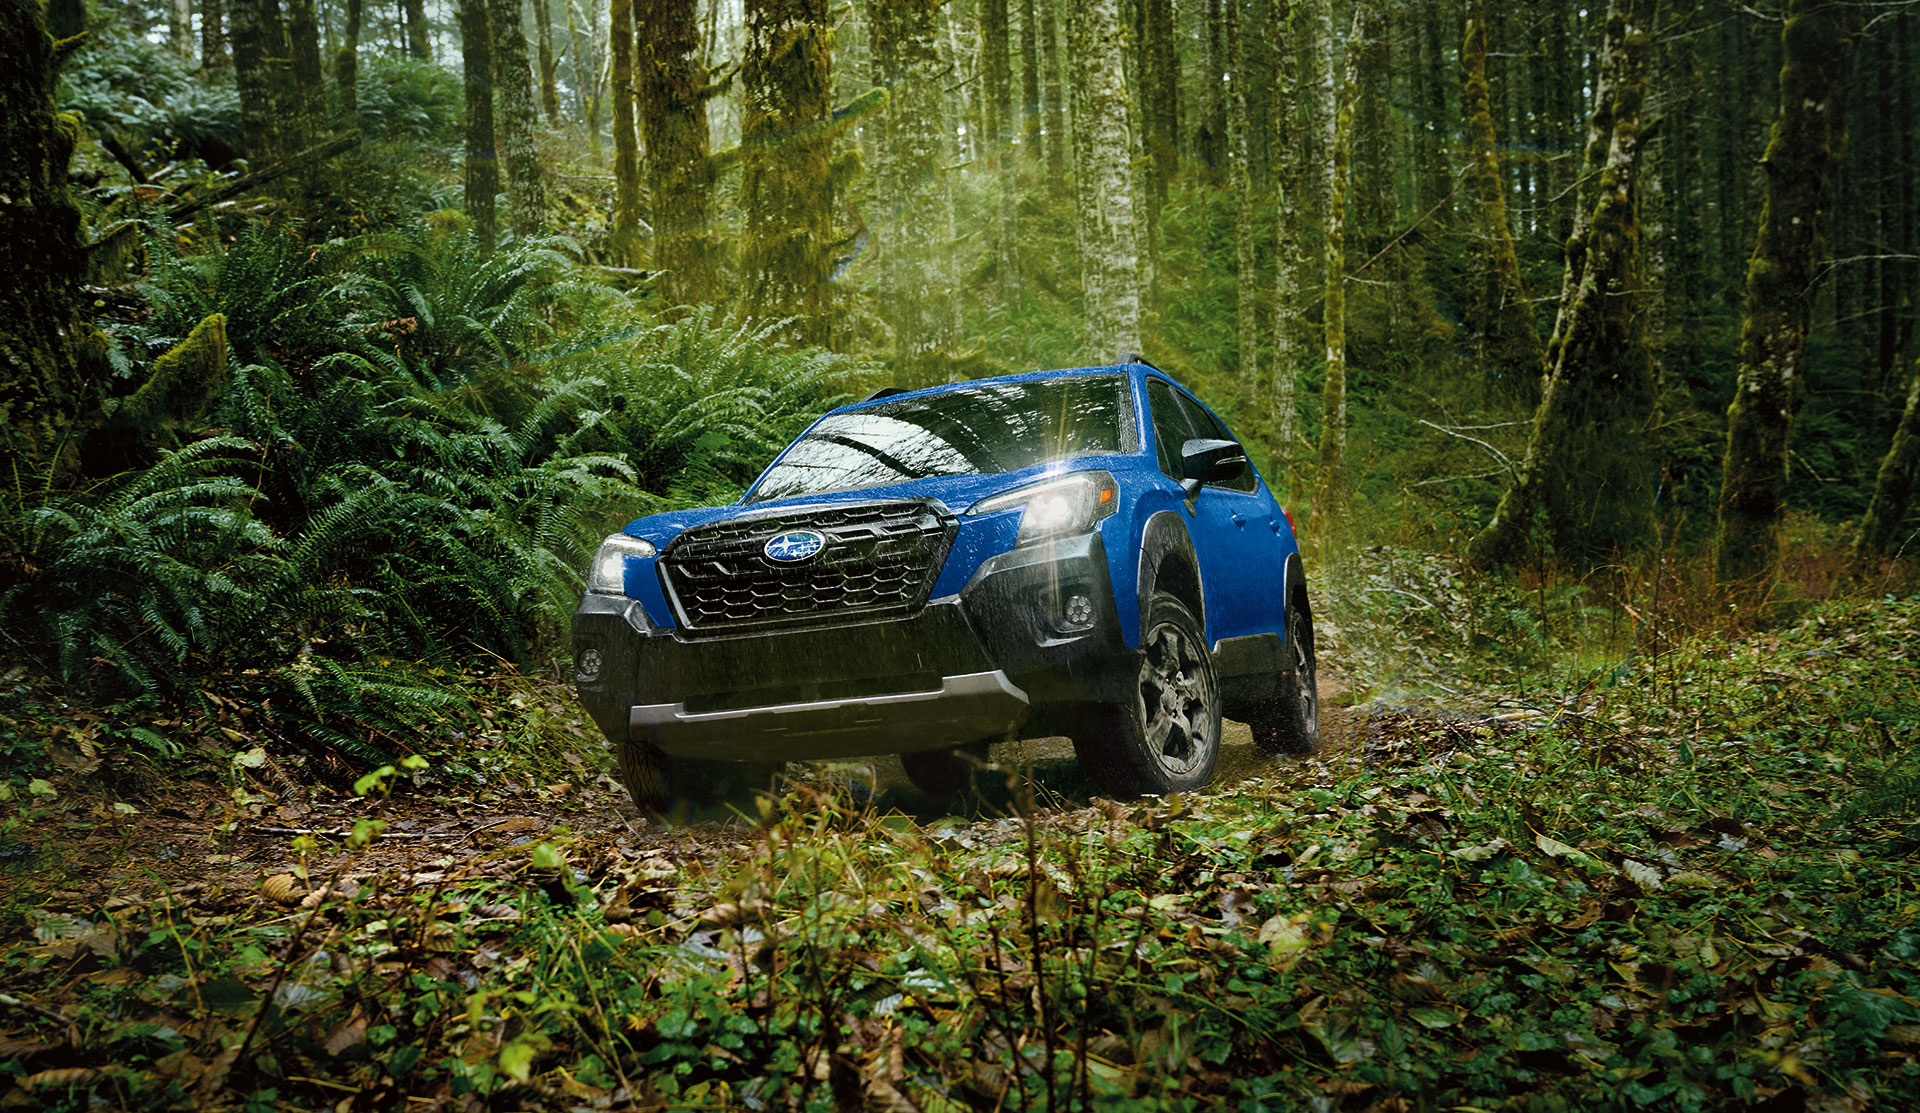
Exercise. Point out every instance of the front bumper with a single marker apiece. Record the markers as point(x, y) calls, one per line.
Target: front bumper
point(997, 656)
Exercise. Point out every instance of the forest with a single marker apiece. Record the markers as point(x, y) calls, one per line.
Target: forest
point(1578, 339)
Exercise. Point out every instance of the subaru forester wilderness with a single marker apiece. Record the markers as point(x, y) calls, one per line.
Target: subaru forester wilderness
point(1086, 553)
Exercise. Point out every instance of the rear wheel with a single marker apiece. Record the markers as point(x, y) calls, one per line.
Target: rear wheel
point(1290, 724)
point(1166, 737)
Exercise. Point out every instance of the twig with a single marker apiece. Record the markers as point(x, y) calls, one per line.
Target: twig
point(1497, 454)
point(47, 1012)
point(335, 834)
point(255, 179)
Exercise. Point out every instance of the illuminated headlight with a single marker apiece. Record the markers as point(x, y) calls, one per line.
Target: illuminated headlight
point(1070, 503)
point(609, 574)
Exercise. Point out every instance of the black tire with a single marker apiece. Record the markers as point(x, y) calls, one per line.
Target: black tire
point(1166, 738)
point(648, 775)
point(1290, 724)
point(944, 774)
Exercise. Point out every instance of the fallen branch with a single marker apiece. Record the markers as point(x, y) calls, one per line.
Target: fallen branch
point(254, 179)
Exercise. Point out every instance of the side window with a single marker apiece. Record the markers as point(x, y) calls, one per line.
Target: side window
point(1207, 425)
point(1170, 429)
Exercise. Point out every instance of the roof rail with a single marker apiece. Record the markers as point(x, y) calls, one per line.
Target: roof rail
point(885, 392)
point(1136, 357)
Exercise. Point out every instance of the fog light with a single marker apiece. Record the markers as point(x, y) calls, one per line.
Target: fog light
point(587, 668)
point(1079, 611)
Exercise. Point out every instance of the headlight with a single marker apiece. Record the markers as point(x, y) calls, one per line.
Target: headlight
point(609, 574)
point(1070, 503)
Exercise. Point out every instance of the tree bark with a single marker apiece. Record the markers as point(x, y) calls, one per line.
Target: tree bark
point(626, 144)
point(673, 98)
point(1210, 136)
point(1245, 225)
point(346, 66)
point(1029, 82)
point(1589, 460)
point(585, 87)
point(1800, 161)
point(1893, 487)
point(1107, 234)
point(483, 163)
point(513, 80)
point(1056, 99)
point(309, 93)
point(786, 147)
point(44, 391)
point(996, 71)
point(213, 39)
point(1337, 91)
point(916, 278)
point(418, 47)
point(259, 70)
point(1290, 318)
point(1514, 355)
point(549, 86)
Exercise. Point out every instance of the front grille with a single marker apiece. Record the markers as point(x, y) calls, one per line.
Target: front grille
point(880, 558)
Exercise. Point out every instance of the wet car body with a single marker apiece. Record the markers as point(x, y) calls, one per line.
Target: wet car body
point(950, 566)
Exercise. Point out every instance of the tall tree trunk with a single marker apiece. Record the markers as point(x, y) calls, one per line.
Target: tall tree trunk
point(1159, 111)
point(1057, 139)
point(180, 29)
point(996, 72)
point(1210, 137)
point(1503, 316)
point(916, 280)
point(259, 72)
point(586, 79)
point(1375, 204)
point(309, 94)
point(483, 163)
point(1290, 337)
point(1588, 463)
point(786, 147)
point(1893, 488)
point(1799, 163)
point(44, 394)
point(673, 98)
point(213, 39)
point(418, 47)
point(1029, 81)
point(1435, 121)
point(346, 67)
point(1245, 222)
point(513, 80)
point(1108, 236)
point(1337, 93)
point(549, 87)
point(626, 145)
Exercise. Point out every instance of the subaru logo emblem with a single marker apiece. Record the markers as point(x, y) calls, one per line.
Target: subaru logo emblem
point(794, 546)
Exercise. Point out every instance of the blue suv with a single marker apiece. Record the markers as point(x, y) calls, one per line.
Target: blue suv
point(1086, 553)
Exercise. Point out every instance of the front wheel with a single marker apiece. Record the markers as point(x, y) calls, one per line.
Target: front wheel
point(676, 790)
point(1290, 724)
point(1166, 737)
point(944, 774)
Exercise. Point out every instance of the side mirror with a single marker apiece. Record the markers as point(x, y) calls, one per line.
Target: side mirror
point(1205, 460)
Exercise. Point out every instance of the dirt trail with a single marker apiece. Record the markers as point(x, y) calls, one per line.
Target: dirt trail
point(201, 841)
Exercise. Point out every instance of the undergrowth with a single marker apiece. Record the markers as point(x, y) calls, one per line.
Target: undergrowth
point(1667, 893)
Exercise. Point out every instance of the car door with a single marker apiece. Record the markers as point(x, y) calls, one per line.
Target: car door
point(1246, 579)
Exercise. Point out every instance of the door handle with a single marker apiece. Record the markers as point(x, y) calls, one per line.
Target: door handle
point(1238, 520)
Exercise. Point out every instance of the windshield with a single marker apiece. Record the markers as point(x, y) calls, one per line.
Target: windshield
point(990, 428)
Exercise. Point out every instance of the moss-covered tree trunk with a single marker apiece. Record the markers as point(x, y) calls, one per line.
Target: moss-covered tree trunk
point(1589, 459)
point(483, 162)
point(916, 277)
point(549, 85)
point(1791, 241)
point(513, 81)
point(786, 148)
point(418, 45)
point(1246, 225)
point(996, 73)
point(586, 80)
point(1103, 181)
point(626, 142)
point(1893, 488)
point(309, 93)
point(260, 60)
point(1055, 96)
point(673, 94)
point(44, 393)
point(1290, 335)
point(213, 39)
point(1514, 355)
point(346, 66)
point(1337, 93)
point(1029, 81)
